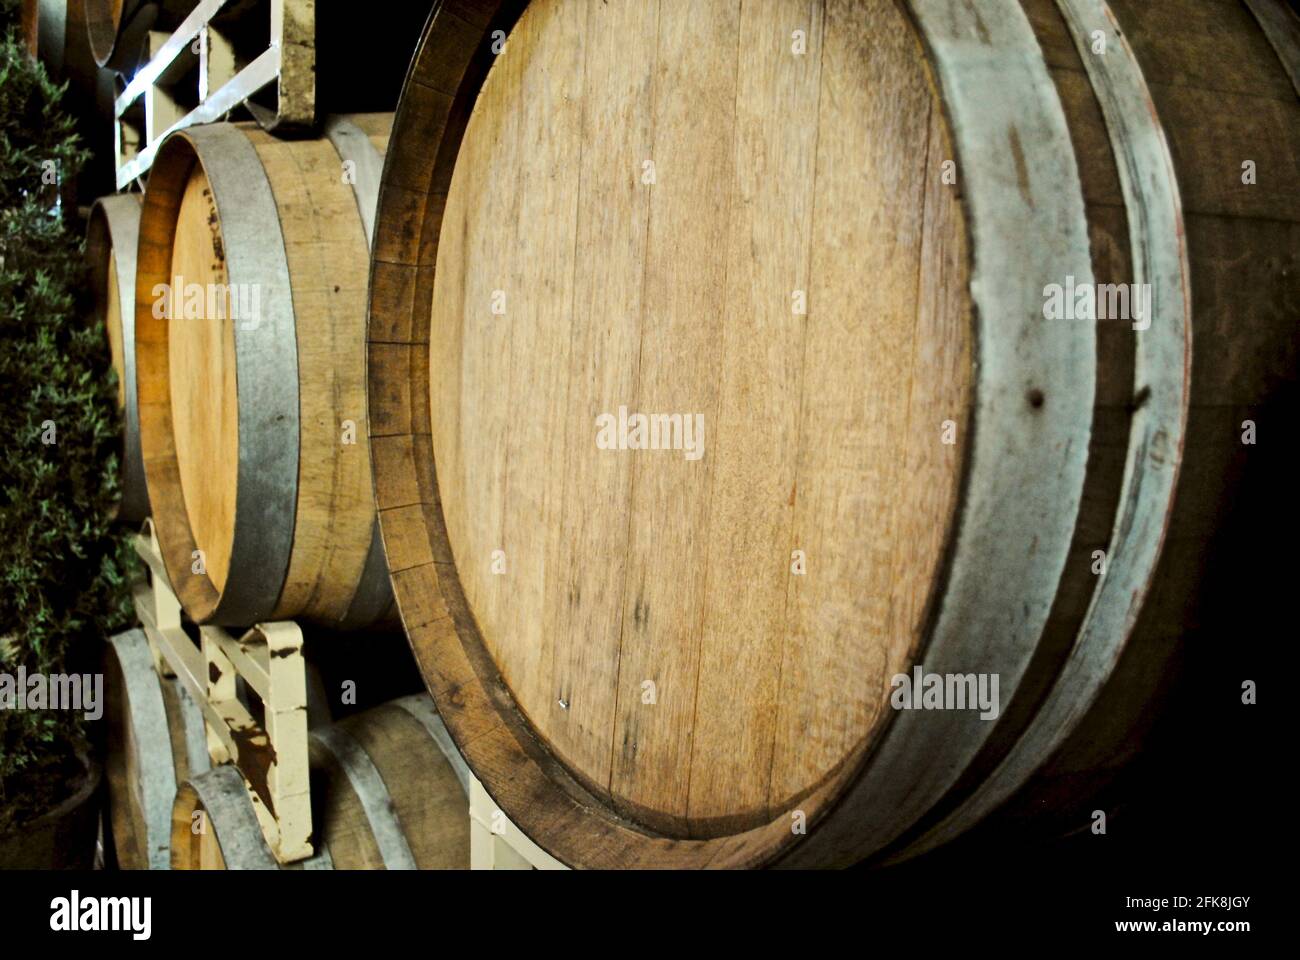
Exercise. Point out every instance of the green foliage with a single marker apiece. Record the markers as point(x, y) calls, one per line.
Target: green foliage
point(63, 585)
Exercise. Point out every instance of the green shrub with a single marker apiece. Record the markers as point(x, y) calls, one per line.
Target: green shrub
point(63, 586)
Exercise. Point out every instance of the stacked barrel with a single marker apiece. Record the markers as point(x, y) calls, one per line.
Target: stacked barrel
point(55, 32)
point(252, 405)
point(111, 240)
point(158, 742)
point(839, 234)
point(117, 29)
point(251, 429)
point(723, 364)
point(386, 796)
point(232, 294)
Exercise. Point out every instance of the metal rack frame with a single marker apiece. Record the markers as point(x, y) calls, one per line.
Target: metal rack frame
point(289, 60)
point(272, 757)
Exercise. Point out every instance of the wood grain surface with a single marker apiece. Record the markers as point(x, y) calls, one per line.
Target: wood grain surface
point(620, 641)
point(770, 280)
point(210, 410)
point(203, 377)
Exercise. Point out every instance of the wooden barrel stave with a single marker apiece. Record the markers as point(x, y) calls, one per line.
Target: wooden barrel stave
point(266, 482)
point(385, 796)
point(55, 33)
point(117, 29)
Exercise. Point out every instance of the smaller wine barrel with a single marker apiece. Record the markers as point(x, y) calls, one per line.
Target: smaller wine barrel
point(117, 28)
point(389, 791)
point(110, 252)
point(53, 33)
point(156, 740)
point(31, 27)
point(250, 310)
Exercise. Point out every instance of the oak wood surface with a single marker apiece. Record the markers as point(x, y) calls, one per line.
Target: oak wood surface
point(774, 173)
point(203, 378)
point(533, 667)
point(325, 252)
point(113, 326)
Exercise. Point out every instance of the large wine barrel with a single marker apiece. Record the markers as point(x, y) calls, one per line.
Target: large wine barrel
point(30, 24)
point(117, 29)
point(833, 239)
point(251, 385)
point(111, 239)
point(388, 792)
point(156, 741)
point(55, 33)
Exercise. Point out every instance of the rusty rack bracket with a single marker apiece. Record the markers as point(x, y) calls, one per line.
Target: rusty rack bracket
point(272, 757)
point(224, 81)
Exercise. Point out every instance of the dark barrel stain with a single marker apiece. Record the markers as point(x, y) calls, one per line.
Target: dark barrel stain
point(1022, 170)
point(214, 225)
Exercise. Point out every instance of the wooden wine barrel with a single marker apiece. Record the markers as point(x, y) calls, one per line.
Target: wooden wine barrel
point(388, 792)
point(833, 239)
point(30, 24)
point(111, 239)
point(117, 29)
point(55, 33)
point(251, 385)
point(156, 741)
